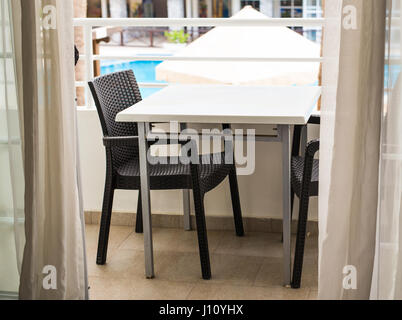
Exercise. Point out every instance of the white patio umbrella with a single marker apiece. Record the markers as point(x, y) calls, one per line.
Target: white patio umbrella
point(245, 42)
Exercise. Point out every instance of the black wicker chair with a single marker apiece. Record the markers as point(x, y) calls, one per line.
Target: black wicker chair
point(115, 92)
point(304, 181)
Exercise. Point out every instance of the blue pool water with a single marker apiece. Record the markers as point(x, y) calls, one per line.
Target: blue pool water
point(393, 71)
point(144, 72)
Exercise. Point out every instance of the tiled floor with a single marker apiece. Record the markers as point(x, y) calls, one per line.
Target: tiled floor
point(242, 268)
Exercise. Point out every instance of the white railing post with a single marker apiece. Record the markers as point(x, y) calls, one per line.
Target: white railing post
point(89, 64)
point(236, 6)
point(209, 9)
point(198, 22)
point(195, 14)
point(89, 23)
point(204, 58)
point(104, 8)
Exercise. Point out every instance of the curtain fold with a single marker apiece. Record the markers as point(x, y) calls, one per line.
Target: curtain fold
point(11, 168)
point(388, 276)
point(54, 228)
point(351, 146)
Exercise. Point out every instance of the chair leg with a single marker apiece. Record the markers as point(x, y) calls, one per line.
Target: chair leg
point(292, 202)
point(138, 223)
point(202, 235)
point(201, 224)
point(186, 210)
point(234, 192)
point(300, 241)
point(105, 223)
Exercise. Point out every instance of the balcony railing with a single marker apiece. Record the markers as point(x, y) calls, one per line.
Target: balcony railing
point(89, 23)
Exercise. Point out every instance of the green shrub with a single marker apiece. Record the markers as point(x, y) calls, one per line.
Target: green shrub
point(177, 36)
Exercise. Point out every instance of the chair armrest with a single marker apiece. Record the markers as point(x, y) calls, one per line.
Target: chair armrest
point(312, 147)
point(126, 141)
point(315, 119)
point(123, 141)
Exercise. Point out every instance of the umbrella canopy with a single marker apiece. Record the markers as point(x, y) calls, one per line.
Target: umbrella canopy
point(245, 42)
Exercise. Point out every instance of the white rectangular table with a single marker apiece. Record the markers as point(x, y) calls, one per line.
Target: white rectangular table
point(217, 104)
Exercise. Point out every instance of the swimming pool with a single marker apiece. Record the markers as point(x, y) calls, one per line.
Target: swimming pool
point(144, 72)
point(391, 75)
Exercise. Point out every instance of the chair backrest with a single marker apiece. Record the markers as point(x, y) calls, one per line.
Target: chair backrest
point(315, 119)
point(114, 93)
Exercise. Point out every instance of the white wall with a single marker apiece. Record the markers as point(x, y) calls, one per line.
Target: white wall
point(261, 194)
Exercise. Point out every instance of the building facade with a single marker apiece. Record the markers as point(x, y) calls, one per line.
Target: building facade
point(271, 8)
point(215, 9)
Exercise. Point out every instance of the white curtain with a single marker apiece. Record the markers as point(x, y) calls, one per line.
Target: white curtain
point(388, 275)
point(54, 253)
point(12, 236)
point(354, 38)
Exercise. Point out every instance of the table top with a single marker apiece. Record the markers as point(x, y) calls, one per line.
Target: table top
point(226, 104)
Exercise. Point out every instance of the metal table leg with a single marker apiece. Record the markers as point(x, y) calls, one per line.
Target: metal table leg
point(285, 137)
point(186, 210)
point(186, 198)
point(146, 203)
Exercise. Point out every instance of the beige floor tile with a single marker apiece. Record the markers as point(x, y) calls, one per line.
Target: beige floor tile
point(109, 289)
point(177, 240)
point(177, 266)
point(242, 268)
point(227, 292)
point(262, 245)
point(93, 268)
point(228, 269)
point(252, 244)
point(310, 273)
point(135, 241)
point(310, 246)
point(117, 235)
point(138, 289)
point(234, 269)
point(313, 295)
point(271, 273)
point(122, 264)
